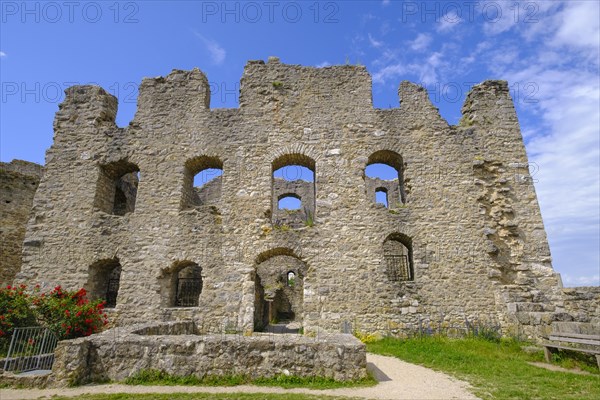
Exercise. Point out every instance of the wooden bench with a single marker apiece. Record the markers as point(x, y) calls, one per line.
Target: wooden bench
point(569, 336)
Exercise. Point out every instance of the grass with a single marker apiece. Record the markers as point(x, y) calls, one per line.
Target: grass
point(194, 396)
point(161, 378)
point(496, 370)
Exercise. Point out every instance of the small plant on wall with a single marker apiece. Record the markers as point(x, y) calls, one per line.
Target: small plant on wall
point(309, 218)
point(280, 226)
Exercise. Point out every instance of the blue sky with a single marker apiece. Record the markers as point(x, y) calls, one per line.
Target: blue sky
point(547, 50)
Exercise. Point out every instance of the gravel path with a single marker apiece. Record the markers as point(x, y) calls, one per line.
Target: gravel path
point(397, 380)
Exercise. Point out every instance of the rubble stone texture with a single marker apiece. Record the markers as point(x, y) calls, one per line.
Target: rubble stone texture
point(18, 183)
point(178, 349)
point(463, 212)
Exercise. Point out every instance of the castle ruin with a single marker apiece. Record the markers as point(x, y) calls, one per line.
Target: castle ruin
point(460, 238)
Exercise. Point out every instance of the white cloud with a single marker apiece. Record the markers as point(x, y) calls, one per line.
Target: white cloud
point(389, 72)
point(449, 21)
point(421, 42)
point(323, 64)
point(505, 57)
point(385, 3)
point(429, 70)
point(499, 16)
point(216, 52)
point(579, 25)
point(2, 54)
point(569, 280)
point(374, 42)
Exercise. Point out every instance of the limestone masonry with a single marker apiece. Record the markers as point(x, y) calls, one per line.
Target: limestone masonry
point(461, 237)
point(180, 349)
point(18, 183)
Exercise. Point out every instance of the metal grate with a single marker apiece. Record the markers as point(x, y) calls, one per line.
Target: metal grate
point(111, 292)
point(398, 268)
point(188, 290)
point(31, 349)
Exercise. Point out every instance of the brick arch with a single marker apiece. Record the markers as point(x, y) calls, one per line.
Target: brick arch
point(277, 251)
point(298, 154)
point(388, 157)
point(293, 159)
point(201, 162)
point(116, 169)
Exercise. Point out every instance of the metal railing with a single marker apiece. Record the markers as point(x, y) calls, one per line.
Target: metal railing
point(31, 349)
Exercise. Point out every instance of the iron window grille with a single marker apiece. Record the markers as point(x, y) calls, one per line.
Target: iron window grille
point(398, 268)
point(188, 290)
point(112, 288)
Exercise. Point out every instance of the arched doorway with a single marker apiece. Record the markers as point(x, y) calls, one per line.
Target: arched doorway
point(279, 292)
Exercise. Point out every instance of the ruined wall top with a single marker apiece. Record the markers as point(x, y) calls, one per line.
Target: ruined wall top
point(280, 87)
point(23, 167)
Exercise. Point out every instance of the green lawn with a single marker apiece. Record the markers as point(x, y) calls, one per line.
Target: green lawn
point(496, 370)
point(161, 378)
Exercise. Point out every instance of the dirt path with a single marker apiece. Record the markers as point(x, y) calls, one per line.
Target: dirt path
point(397, 380)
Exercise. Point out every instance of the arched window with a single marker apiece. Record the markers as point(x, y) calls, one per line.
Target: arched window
point(104, 279)
point(291, 278)
point(182, 284)
point(381, 196)
point(202, 182)
point(383, 174)
point(116, 189)
point(289, 201)
point(398, 258)
point(293, 190)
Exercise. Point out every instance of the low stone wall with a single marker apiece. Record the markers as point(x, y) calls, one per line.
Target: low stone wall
point(11, 380)
point(122, 352)
point(583, 303)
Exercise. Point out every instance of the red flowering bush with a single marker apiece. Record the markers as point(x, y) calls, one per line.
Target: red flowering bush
point(69, 314)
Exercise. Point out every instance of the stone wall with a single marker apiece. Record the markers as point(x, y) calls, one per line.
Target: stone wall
point(210, 192)
point(583, 303)
point(18, 183)
point(179, 350)
point(470, 220)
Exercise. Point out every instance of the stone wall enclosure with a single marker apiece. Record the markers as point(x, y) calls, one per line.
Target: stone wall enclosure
point(178, 349)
